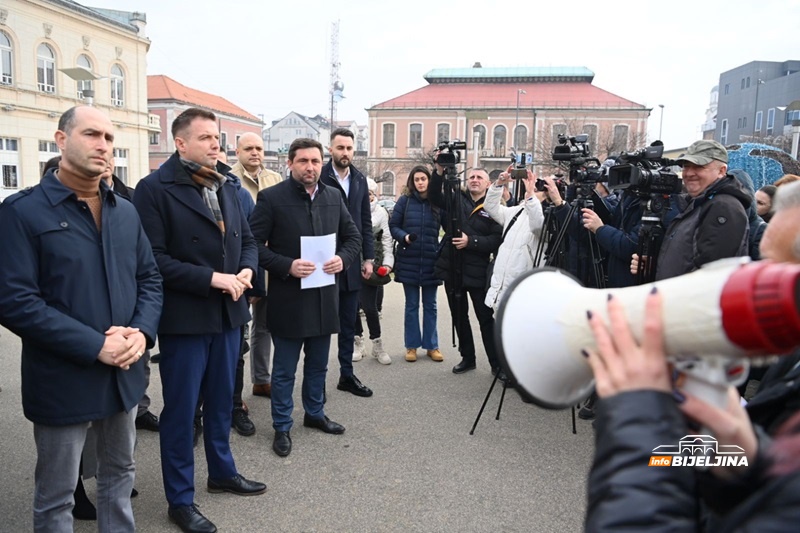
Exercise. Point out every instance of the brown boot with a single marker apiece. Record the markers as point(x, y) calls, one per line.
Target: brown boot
point(411, 354)
point(262, 389)
point(436, 355)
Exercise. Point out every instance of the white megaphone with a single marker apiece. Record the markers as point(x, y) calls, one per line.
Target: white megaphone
point(714, 320)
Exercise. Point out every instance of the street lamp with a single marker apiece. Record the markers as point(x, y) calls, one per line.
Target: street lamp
point(661, 122)
point(83, 74)
point(755, 110)
point(516, 122)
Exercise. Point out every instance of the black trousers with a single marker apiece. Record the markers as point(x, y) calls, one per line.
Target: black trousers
point(485, 316)
point(368, 299)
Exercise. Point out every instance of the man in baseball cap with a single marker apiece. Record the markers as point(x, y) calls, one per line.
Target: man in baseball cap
point(703, 163)
point(713, 220)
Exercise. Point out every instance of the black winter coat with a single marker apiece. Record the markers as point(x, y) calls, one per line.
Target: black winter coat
point(485, 237)
point(283, 214)
point(625, 494)
point(189, 247)
point(712, 226)
point(414, 263)
point(619, 240)
point(357, 203)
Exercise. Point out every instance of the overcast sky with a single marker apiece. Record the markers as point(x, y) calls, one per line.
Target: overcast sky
point(271, 58)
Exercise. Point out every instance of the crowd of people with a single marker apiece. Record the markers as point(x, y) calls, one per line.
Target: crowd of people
point(209, 261)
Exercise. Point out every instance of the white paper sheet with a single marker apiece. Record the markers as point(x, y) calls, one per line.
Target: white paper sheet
point(319, 250)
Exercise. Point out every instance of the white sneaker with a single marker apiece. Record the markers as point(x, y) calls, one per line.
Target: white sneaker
point(379, 353)
point(358, 348)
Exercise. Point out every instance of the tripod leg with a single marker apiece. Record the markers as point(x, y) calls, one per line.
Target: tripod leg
point(502, 397)
point(574, 428)
point(485, 401)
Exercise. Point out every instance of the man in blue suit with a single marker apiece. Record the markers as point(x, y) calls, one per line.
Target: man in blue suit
point(206, 254)
point(341, 175)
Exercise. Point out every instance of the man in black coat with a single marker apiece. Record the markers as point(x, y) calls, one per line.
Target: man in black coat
point(206, 254)
point(478, 238)
point(341, 175)
point(301, 318)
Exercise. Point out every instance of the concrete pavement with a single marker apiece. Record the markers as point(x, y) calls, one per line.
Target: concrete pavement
point(406, 462)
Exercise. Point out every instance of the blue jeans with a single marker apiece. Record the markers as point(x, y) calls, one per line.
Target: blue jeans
point(429, 339)
point(59, 450)
point(284, 367)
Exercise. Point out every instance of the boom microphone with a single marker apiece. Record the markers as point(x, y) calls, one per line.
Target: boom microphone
point(714, 320)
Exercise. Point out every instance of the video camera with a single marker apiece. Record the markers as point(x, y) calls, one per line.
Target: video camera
point(644, 172)
point(582, 168)
point(448, 155)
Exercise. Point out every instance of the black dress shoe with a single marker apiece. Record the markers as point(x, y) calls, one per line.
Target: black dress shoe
point(464, 366)
point(190, 520)
point(241, 422)
point(147, 421)
point(282, 445)
point(353, 385)
point(324, 424)
point(237, 485)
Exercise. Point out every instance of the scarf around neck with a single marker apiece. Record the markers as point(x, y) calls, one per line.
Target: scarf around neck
point(210, 181)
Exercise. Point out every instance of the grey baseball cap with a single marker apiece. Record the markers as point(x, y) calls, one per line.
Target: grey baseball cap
point(704, 152)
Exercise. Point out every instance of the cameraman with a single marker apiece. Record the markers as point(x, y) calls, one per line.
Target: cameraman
point(712, 223)
point(619, 238)
point(480, 237)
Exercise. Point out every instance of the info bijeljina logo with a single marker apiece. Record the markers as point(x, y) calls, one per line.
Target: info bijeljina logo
point(698, 450)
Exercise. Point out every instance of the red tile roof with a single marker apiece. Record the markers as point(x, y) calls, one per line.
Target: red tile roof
point(164, 88)
point(504, 95)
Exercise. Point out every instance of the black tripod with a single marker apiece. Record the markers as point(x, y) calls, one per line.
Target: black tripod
point(651, 235)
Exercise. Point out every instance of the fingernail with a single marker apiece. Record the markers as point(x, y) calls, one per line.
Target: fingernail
point(678, 396)
point(610, 296)
point(654, 290)
point(585, 353)
point(589, 315)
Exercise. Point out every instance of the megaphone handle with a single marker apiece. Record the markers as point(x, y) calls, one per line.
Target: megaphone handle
point(708, 378)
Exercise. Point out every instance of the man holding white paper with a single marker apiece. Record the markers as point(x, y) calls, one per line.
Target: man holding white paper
point(302, 314)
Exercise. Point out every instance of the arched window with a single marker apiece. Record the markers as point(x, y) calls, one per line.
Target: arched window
point(499, 141)
point(442, 133)
point(46, 68)
point(6, 72)
point(117, 86)
point(520, 137)
point(415, 136)
point(481, 131)
point(84, 85)
point(387, 184)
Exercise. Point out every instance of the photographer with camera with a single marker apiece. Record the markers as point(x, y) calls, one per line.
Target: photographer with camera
point(522, 226)
point(712, 223)
point(467, 248)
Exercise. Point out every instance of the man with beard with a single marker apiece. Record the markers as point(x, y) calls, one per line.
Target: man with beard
point(301, 318)
point(340, 174)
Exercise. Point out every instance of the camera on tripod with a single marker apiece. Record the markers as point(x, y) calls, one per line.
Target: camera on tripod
point(448, 155)
point(644, 172)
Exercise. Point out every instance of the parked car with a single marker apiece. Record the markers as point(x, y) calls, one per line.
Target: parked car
point(388, 204)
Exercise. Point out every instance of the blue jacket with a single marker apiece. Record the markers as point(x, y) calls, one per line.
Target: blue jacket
point(414, 263)
point(64, 284)
point(357, 202)
point(620, 240)
point(189, 247)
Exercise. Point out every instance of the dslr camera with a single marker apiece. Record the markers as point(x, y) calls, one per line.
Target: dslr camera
point(644, 172)
point(448, 153)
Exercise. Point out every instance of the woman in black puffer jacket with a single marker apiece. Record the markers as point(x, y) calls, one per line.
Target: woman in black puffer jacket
point(415, 226)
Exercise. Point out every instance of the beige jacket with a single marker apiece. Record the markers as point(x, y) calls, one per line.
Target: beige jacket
point(252, 184)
